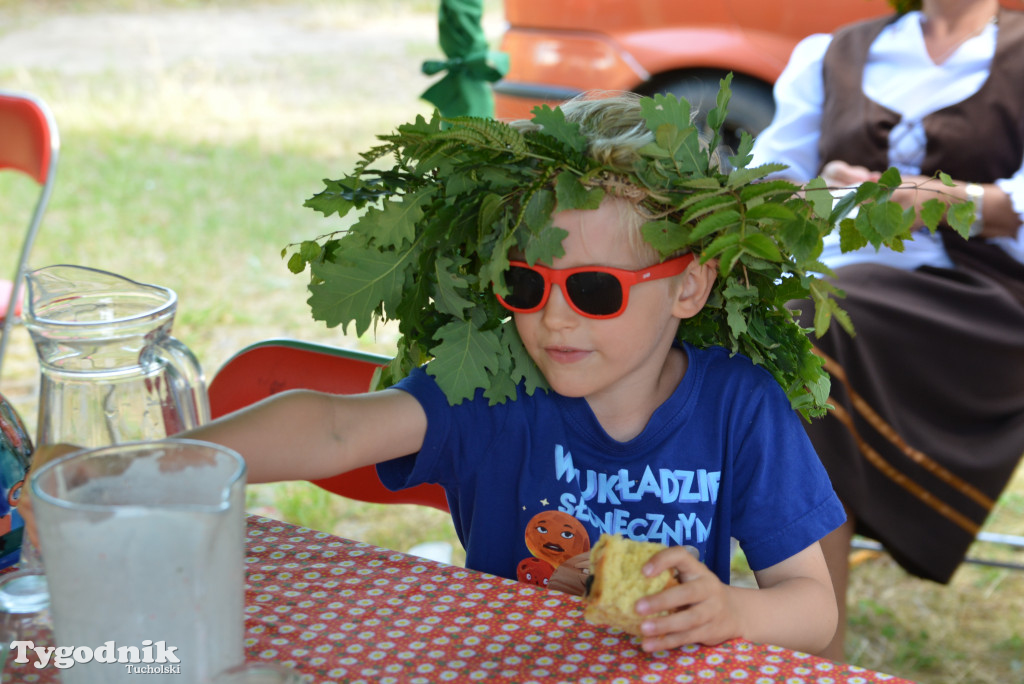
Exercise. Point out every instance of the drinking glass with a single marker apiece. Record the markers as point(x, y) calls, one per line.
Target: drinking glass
point(145, 545)
point(23, 617)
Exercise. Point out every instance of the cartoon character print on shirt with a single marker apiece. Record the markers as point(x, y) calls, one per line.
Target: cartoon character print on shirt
point(670, 505)
point(534, 571)
point(553, 537)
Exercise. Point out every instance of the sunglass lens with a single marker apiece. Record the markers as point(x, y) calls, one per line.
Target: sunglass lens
point(595, 293)
point(526, 287)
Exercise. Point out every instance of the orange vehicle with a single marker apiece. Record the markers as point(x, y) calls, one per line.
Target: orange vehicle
point(560, 48)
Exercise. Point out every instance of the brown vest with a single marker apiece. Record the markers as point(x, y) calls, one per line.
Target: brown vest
point(977, 140)
point(856, 129)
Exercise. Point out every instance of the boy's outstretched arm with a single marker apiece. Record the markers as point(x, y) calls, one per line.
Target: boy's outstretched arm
point(306, 435)
point(794, 607)
point(298, 435)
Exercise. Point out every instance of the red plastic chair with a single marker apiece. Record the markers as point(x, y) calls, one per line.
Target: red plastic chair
point(276, 365)
point(29, 143)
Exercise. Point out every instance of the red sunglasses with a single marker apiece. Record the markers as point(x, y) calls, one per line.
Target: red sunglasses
point(592, 291)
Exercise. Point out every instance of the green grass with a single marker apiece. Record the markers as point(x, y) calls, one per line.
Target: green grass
point(192, 175)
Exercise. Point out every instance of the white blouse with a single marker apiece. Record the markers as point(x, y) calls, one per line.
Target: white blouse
point(900, 76)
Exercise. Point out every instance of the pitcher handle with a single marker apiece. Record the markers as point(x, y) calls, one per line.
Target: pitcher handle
point(186, 385)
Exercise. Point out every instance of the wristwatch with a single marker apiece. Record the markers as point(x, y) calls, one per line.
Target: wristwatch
point(976, 194)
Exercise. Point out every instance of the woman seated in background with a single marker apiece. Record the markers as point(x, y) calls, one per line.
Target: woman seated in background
point(928, 424)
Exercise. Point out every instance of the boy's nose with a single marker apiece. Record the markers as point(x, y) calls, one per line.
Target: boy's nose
point(556, 310)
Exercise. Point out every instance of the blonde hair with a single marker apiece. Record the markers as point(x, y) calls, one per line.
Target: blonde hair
point(613, 123)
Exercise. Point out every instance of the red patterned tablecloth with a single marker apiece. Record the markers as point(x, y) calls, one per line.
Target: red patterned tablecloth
point(343, 611)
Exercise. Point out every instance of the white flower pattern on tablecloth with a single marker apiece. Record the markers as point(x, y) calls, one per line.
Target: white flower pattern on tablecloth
point(454, 626)
point(343, 611)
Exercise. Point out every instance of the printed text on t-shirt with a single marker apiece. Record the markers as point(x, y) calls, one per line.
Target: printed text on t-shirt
point(677, 489)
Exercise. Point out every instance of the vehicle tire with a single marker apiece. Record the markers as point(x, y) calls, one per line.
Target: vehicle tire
point(751, 106)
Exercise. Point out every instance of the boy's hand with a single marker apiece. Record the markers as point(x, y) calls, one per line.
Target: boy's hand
point(700, 607)
point(40, 456)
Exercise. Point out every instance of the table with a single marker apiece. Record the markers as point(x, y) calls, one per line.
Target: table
point(341, 611)
point(344, 611)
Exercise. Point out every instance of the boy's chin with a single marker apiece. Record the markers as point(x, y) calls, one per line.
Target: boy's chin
point(569, 380)
point(574, 390)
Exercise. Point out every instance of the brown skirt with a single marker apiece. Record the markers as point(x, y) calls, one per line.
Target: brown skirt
point(928, 424)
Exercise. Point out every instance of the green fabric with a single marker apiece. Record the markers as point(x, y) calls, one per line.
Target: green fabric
point(471, 67)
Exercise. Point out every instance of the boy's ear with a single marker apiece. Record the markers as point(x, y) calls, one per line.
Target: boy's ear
point(697, 281)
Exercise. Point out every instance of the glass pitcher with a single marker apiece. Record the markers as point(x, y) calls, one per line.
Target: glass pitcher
point(144, 546)
point(110, 370)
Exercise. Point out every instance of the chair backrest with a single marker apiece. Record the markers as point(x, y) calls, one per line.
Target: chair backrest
point(29, 143)
point(271, 366)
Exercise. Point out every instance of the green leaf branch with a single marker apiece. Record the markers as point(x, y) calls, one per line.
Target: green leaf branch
point(442, 202)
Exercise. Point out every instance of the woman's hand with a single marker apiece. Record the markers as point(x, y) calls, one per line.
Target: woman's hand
point(839, 174)
point(700, 608)
point(912, 192)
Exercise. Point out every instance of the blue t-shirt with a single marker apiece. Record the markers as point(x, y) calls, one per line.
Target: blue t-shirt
point(532, 483)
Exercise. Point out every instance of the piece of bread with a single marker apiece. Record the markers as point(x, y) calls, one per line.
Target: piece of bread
point(617, 582)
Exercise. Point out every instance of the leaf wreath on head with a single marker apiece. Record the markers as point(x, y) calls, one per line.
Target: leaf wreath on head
point(446, 199)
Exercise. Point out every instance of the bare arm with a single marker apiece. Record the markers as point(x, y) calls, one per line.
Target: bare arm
point(795, 603)
point(794, 606)
point(305, 435)
point(298, 435)
point(997, 214)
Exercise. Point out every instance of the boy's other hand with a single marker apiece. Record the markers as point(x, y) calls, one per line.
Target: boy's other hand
point(571, 576)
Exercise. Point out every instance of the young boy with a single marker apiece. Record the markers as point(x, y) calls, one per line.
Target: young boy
point(638, 435)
